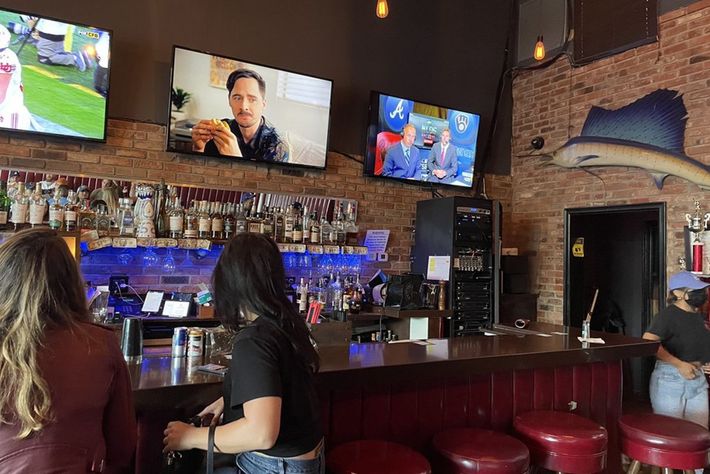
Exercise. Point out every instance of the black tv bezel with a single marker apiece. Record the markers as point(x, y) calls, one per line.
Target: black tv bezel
point(108, 93)
point(426, 184)
point(294, 166)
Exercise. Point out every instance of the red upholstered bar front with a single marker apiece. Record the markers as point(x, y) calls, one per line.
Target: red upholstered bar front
point(412, 412)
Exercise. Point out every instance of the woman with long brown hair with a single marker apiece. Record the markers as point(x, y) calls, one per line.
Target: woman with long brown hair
point(65, 394)
point(270, 410)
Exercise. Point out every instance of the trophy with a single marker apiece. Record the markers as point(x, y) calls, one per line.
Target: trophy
point(697, 225)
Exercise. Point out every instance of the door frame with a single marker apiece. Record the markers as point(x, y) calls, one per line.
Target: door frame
point(569, 213)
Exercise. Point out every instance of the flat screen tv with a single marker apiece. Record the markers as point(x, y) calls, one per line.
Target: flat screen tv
point(246, 111)
point(420, 142)
point(54, 76)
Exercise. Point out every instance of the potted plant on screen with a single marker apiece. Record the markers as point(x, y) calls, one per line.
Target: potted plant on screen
point(179, 98)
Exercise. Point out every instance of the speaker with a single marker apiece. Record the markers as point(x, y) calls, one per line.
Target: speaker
point(548, 18)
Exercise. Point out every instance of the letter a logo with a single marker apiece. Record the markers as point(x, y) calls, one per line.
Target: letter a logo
point(398, 111)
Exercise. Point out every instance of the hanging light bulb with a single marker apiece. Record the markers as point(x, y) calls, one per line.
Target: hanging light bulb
point(382, 9)
point(539, 52)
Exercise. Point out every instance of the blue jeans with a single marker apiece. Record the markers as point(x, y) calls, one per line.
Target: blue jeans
point(673, 395)
point(253, 463)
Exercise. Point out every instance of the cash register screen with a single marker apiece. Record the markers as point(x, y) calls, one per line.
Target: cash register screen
point(152, 302)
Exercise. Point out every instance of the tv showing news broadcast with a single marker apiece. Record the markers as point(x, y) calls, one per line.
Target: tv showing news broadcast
point(54, 76)
point(420, 142)
point(226, 107)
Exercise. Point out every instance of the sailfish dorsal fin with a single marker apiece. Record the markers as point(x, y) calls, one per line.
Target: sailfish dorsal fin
point(656, 119)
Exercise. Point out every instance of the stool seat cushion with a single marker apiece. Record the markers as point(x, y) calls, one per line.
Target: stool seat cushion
point(665, 432)
point(376, 457)
point(562, 432)
point(471, 450)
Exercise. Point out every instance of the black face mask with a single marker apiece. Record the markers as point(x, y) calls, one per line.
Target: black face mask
point(697, 298)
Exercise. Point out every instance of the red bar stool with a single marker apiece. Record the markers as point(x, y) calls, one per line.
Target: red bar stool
point(663, 441)
point(471, 450)
point(376, 457)
point(562, 441)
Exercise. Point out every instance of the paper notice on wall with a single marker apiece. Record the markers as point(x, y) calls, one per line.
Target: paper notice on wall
point(376, 242)
point(438, 268)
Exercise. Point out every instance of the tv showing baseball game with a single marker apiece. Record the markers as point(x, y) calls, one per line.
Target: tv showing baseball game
point(54, 76)
point(418, 142)
point(226, 107)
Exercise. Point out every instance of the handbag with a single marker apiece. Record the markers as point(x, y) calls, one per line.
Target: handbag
point(190, 461)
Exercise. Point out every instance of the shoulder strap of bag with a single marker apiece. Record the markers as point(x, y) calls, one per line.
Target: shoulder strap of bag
point(210, 449)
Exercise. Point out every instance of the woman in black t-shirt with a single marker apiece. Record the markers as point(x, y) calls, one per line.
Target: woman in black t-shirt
point(270, 408)
point(678, 387)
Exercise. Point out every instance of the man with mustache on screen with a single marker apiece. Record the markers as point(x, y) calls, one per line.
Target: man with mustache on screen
point(248, 135)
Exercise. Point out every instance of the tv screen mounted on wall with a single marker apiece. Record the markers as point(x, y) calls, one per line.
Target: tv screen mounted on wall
point(245, 111)
point(419, 142)
point(54, 76)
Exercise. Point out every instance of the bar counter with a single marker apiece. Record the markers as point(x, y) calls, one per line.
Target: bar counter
point(408, 391)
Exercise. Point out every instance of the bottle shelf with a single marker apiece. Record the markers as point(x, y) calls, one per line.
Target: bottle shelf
point(206, 244)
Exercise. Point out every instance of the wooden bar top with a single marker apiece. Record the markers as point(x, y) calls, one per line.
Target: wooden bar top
point(540, 345)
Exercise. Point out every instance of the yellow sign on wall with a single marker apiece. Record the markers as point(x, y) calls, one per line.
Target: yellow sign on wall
point(578, 247)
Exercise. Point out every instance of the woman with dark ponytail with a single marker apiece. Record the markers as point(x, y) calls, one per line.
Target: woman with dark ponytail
point(270, 410)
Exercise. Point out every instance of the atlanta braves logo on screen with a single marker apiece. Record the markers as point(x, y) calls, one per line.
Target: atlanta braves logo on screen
point(396, 112)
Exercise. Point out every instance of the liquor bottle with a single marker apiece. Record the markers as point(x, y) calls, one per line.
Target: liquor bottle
point(191, 222)
point(315, 228)
point(351, 228)
point(242, 225)
point(254, 219)
point(70, 212)
point(103, 221)
point(325, 231)
point(5, 203)
point(176, 219)
point(298, 227)
point(306, 225)
point(87, 217)
point(204, 222)
point(334, 294)
point(125, 218)
point(217, 221)
point(38, 207)
point(160, 215)
point(278, 225)
point(56, 211)
point(267, 224)
point(340, 226)
point(230, 222)
point(289, 219)
point(302, 296)
point(20, 205)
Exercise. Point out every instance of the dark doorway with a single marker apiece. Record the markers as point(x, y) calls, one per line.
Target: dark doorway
point(624, 257)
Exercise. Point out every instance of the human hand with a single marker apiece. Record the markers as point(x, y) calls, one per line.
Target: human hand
point(687, 370)
point(215, 409)
point(176, 436)
point(201, 134)
point(440, 174)
point(226, 142)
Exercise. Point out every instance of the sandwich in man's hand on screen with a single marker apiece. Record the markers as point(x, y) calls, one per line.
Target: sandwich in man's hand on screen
point(219, 133)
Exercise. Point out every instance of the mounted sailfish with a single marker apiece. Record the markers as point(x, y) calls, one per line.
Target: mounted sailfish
point(647, 133)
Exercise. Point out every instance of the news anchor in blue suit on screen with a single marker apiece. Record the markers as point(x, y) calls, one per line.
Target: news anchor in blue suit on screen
point(442, 163)
point(402, 159)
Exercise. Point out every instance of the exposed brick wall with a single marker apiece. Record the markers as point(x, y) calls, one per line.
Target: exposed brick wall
point(554, 102)
point(134, 151)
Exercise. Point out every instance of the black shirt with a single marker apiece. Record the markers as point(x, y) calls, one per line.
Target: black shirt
point(683, 334)
point(266, 145)
point(264, 365)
